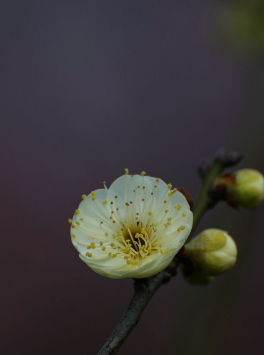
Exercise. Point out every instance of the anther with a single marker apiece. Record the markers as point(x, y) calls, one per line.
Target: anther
point(143, 173)
point(104, 202)
point(84, 197)
point(177, 207)
point(89, 254)
point(93, 193)
point(70, 221)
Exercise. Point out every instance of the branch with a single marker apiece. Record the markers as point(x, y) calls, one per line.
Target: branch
point(208, 174)
point(145, 288)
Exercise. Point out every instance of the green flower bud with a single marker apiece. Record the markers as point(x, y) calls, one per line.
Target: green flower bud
point(212, 252)
point(246, 188)
point(197, 278)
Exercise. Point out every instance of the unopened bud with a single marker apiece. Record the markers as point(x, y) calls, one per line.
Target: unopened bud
point(247, 188)
point(212, 252)
point(197, 277)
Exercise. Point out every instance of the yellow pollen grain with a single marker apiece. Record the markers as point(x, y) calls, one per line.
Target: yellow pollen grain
point(81, 219)
point(132, 175)
point(112, 245)
point(150, 213)
point(128, 225)
point(73, 235)
point(106, 234)
point(143, 173)
point(89, 254)
point(170, 193)
point(103, 248)
point(174, 190)
point(104, 202)
point(101, 243)
point(177, 207)
point(92, 245)
point(93, 193)
point(73, 225)
point(157, 180)
point(70, 221)
point(165, 201)
point(78, 223)
point(104, 182)
point(169, 186)
point(109, 254)
point(93, 198)
point(84, 197)
point(183, 215)
point(166, 211)
point(126, 171)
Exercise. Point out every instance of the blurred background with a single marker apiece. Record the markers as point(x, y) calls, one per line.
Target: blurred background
point(89, 88)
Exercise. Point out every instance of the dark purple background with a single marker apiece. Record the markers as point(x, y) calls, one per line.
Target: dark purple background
point(89, 88)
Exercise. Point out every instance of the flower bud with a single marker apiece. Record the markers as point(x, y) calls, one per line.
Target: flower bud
point(247, 188)
point(212, 252)
point(197, 278)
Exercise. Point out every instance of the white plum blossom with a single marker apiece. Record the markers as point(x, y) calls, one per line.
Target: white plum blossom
point(134, 228)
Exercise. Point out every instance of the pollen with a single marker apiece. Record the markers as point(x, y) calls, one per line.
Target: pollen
point(177, 207)
point(126, 171)
point(143, 173)
point(70, 221)
point(73, 235)
point(93, 193)
point(93, 198)
point(106, 234)
point(84, 197)
point(89, 254)
point(104, 202)
point(150, 213)
point(92, 246)
point(169, 186)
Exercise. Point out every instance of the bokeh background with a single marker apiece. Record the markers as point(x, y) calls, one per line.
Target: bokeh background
point(89, 88)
